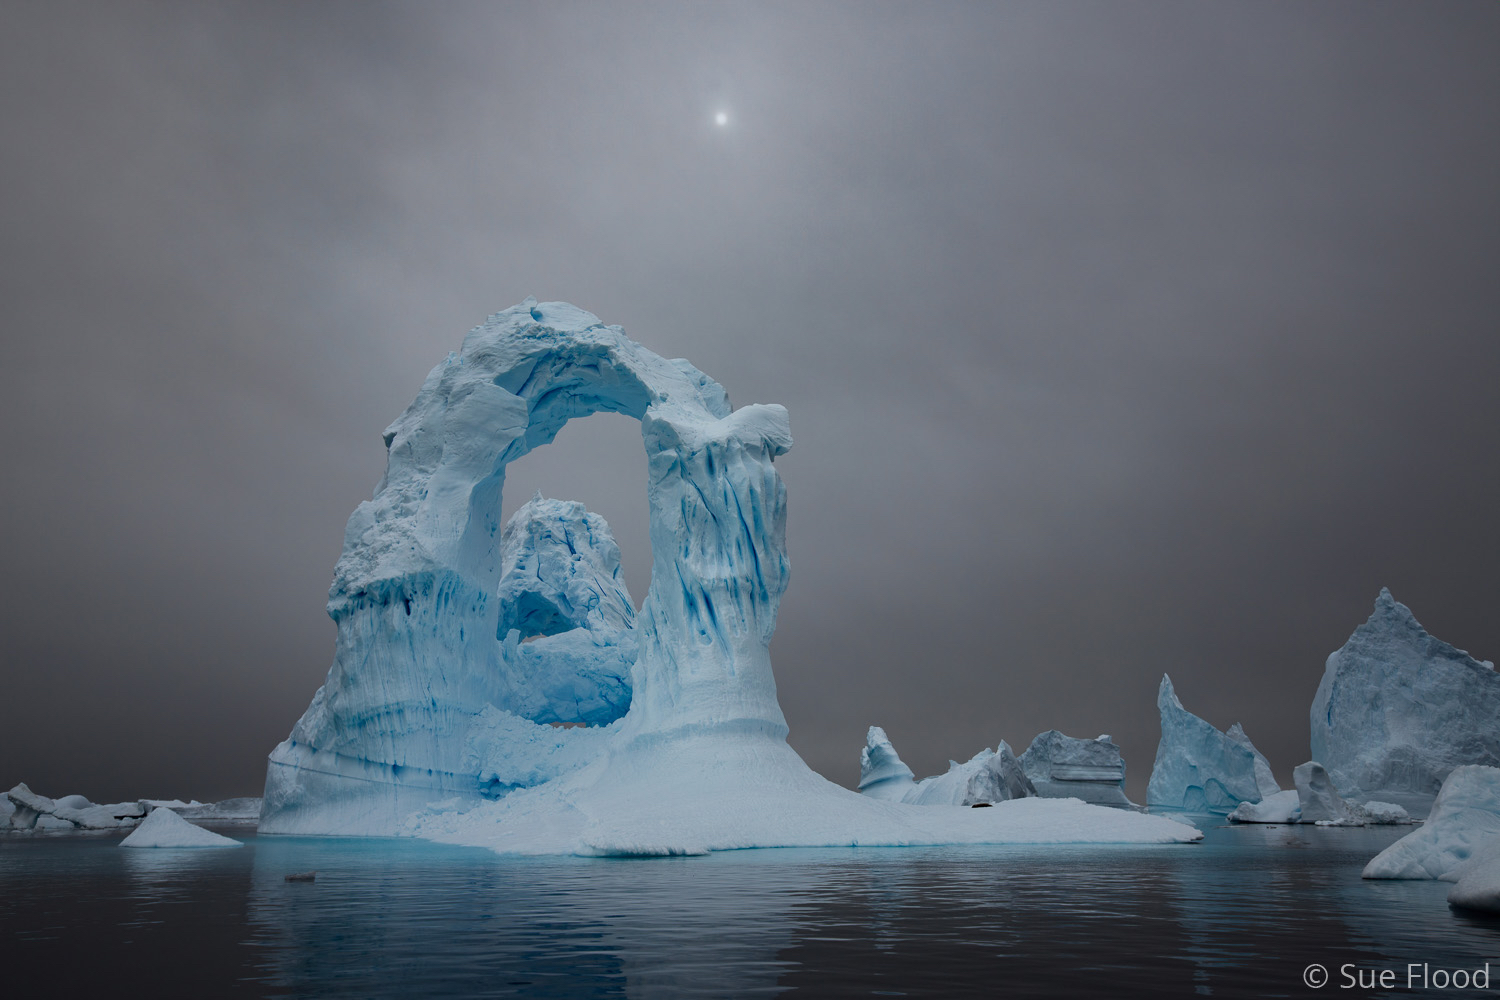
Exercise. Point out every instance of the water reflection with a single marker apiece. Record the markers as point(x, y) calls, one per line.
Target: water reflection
point(1239, 915)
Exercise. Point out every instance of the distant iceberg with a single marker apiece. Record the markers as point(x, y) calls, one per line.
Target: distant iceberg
point(1198, 768)
point(1398, 709)
point(990, 776)
point(1061, 766)
point(607, 733)
point(22, 810)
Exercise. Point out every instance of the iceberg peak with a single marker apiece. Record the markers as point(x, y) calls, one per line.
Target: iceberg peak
point(1198, 768)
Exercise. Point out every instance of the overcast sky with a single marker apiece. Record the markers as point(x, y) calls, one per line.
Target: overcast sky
point(1118, 338)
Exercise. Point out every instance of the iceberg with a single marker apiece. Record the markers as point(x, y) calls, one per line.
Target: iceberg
point(990, 776)
point(21, 809)
point(1061, 766)
point(1320, 802)
point(30, 811)
point(488, 689)
point(164, 828)
point(1278, 807)
point(1198, 768)
point(1398, 709)
point(1465, 816)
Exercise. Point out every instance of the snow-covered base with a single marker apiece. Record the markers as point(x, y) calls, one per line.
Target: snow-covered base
point(1465, 816)
point(164, 828)
point(1280, 807)
point(691, 794)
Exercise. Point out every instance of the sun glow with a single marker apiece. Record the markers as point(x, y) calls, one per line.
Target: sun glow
point(721, 119)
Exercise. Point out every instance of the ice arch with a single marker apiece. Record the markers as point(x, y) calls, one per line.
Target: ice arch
point(415, 708)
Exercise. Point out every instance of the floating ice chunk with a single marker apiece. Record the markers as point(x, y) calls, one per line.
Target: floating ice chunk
point(1198, 768)
point(1377, 813)
point(1278, 807)
point(1398, 709)
point(164, 828)
point(1061, 766)
point(1465, 815)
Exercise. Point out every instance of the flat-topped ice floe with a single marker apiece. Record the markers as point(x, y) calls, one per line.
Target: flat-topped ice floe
point(657, 732)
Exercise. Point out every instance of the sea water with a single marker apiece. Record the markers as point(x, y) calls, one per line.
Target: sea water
point(1245, 913)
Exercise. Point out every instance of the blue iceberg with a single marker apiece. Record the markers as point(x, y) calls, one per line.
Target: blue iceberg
point(1200, 769)
point(1398, 709)
point(494, 686)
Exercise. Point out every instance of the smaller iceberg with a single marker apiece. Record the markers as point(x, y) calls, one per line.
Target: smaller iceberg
point(1278, 807)
point(21, 809)
point(1198, 768)
point(1065, 767)
point(990, 776)
point(1465, 816)
point(31, 811)
point(164, 828)
point(1321, 803)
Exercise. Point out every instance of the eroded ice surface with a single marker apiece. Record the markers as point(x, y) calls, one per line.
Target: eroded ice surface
point(164, 828)
point(1465, 816)
point(1061, 766)
point(31, 811)
point(423, 726)
point(989, 776)
point(1398, 709)
point(1198, 768)
point(1278, 807)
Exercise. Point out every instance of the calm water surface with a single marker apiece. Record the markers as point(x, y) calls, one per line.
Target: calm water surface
point(1242, 914)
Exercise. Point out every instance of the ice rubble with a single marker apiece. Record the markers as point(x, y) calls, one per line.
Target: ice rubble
point(435, 720)
point(1061, 766)
point(1198, 768)
point(1398, 709)
point(164, 828)
point(1465, 817)
point(990, 776)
